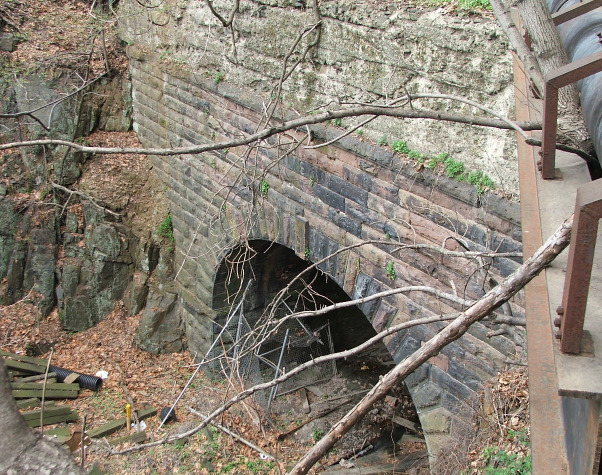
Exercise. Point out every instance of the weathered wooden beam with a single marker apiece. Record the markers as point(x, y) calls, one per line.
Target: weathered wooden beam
point(48, 411)
point(71, 417)
point(113, 426)
point(28, 403)
point(136, 437)
point(25, 358)
point(55, 386)
point(49, 394)
point(25, 367)
point(51, 377)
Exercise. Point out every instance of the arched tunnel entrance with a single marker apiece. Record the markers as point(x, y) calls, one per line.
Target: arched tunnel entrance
point(266, 299)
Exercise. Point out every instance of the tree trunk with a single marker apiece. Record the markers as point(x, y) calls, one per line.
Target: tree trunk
point(490, 301)
point(24, 451)
point(551, 55)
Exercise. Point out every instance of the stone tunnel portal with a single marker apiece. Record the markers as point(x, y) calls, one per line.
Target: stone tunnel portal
point(270, 268)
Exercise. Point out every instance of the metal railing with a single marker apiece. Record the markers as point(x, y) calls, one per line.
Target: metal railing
point(588, 212)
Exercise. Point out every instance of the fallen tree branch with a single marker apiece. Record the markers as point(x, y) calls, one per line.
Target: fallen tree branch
point(490, 301)
point(285, 126)
point(233, 434)
point(518, 45)
point(86, 197)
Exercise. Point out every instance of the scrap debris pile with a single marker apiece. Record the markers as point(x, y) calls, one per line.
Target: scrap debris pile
point(37, 385)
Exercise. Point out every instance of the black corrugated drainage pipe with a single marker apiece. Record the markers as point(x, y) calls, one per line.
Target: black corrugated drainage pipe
point(581, 38)
point(85, 381)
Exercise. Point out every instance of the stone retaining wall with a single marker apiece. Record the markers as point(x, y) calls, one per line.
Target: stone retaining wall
point(368, 52)
point(318, 201)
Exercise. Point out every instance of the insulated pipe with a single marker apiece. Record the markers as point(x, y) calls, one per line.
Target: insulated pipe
point(85, 381)
point(581, 38)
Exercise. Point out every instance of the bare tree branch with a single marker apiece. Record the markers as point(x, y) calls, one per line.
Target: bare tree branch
point(517, 43)
point(493, 299)
point(283, 127)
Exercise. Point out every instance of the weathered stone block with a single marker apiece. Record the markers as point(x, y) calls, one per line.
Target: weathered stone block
point(160, 329)
point(436, 421)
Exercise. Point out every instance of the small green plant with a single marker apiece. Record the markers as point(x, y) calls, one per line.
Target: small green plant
point(500, 462)
point(218, 77)
point(453, 168)
point(265, 187)
point(414, 155)
point(391, 271)
point(260, 466)
point(474, 5)
point(312, 180)
point(383, 141)
point(166, 228)
point(480, 181)
point(360, 132)
point(388, 235)
point(317, 434)
point(436, 160)
point(522, 436)
point(401, 146)
point(306, 254)
point(338, 122)
point(169, 56)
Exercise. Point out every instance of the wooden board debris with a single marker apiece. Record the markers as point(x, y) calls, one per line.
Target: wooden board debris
point(113, 426)
point(136, 438)
point(48, 394)
point(60, 434)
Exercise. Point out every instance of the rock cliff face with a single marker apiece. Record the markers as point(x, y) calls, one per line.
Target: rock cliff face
point(82, 252)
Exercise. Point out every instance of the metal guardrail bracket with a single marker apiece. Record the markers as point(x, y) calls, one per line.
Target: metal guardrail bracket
point(574, 11)
point(554, 80)
point(588, 212)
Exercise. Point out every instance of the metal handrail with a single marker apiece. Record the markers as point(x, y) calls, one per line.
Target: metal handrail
point(554, 80)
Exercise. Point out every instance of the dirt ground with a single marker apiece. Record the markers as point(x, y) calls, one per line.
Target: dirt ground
point(156, 381)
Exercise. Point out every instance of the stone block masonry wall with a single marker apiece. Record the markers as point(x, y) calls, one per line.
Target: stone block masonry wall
point(319, 201)
point(368, 52)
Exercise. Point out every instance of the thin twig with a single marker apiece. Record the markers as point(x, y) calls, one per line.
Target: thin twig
point(44, 391)
point(233, 434)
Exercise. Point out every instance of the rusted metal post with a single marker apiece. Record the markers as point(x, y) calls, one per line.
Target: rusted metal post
point(574, 11)
point(556, 79)
point(588, 211)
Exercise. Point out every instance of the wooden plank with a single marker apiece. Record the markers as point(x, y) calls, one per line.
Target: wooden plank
point(28, 403)
point(38, 377)
point(48, 411)
point(60, 434)
point(71, 417)
point(55, 386)
point(113, 426)
point(24, 358)
point(403, 422)
point(25, 367)
point(49, 394)
point(136, 437)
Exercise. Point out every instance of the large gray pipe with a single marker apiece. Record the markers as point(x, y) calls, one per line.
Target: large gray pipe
point(580, 39)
